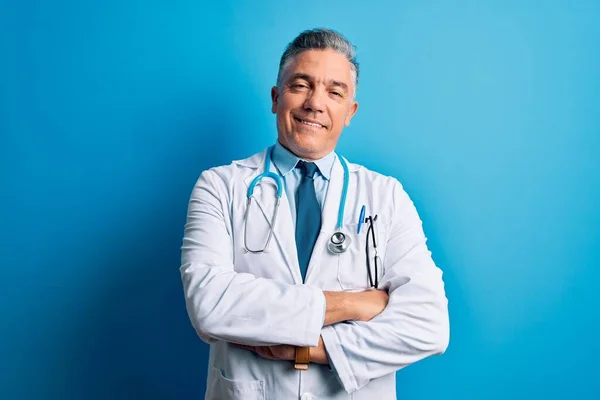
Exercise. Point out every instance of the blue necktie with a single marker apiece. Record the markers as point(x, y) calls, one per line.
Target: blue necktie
point(308, 215)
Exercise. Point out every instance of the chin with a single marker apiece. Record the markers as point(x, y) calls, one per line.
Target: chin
point(308, 147)
point(307, 142)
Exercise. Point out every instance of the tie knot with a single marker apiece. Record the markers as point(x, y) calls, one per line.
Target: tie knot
point(308, 169)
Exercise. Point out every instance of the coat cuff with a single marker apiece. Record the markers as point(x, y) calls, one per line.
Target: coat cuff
point(316, 317)
point(338, 360)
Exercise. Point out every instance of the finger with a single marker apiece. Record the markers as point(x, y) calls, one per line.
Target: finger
point(262, 352)
point(266, 352)
point(245, 347)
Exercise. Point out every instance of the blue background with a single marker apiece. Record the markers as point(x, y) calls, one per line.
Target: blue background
point(489, 113)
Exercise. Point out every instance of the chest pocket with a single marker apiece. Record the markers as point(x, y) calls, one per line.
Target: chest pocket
point(352, 272)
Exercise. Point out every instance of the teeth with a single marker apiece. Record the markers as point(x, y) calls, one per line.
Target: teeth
point(310, 123)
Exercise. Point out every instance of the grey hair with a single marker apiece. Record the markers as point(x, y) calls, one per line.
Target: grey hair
point(319, 39)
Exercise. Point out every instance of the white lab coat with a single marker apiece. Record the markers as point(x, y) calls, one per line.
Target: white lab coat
point(259, 299)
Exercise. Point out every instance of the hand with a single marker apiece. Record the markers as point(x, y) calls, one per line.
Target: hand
point(318, 354)
point(281, 352)
point(370, 303)
point(286, 352)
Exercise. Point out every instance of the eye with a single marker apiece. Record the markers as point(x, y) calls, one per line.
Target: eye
point(299, 86)
point(338, 94)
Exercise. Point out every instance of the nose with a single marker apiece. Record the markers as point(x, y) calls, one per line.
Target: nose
point(314, 101)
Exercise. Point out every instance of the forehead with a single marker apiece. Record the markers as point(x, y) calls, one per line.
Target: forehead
point(322, 65)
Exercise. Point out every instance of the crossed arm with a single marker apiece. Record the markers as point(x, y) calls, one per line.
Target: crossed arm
point(380, 335)
point(340, 306)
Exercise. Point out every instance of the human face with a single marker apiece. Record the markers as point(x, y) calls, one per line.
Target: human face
point(313, 102)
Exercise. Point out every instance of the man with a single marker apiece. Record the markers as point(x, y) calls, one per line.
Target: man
point(288, 310)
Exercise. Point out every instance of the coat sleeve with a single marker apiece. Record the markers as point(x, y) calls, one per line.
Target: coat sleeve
point(414, 324)
point(238, 307)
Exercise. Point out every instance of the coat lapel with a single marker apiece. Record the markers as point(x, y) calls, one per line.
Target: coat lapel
point(265, 197)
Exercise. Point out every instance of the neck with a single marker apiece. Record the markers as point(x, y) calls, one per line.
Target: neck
point(305, 155)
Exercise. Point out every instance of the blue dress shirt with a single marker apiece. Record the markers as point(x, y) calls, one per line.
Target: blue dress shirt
point(285, 161)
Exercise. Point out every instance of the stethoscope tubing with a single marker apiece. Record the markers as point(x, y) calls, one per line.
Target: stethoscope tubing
point(334, 248)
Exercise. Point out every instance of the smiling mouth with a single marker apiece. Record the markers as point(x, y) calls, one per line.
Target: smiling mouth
point(313, 124)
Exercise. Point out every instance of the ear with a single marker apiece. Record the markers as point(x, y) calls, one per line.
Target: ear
point(274, 98)
point(351, 111)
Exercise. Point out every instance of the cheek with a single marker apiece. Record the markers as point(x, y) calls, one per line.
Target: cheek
point(282, 120)
point(339, 118)
point(282, 109)
point(291, 100)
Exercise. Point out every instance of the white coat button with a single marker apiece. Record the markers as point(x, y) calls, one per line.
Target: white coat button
point(307, 396)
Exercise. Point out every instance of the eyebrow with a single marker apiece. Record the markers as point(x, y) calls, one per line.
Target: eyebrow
point(309, 78)
point(339, 84)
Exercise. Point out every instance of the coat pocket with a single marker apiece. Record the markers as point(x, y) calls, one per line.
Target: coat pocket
point(352, 273)
point(222, 388)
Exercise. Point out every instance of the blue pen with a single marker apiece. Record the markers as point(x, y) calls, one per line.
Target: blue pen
point(361, 219)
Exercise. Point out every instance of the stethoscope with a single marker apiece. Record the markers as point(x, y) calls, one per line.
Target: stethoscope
point(339, 241)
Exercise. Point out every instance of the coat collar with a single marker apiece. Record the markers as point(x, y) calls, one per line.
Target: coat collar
point(258, 161)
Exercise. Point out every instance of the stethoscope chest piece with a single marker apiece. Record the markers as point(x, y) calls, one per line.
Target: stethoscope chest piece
point(338, 243)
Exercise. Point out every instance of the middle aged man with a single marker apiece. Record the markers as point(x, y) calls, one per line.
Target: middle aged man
point(307, 314)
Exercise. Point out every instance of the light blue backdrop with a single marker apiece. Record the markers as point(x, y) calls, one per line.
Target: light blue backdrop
point(489, 113)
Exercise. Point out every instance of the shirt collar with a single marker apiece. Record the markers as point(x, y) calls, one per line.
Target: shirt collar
point(286, 161)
